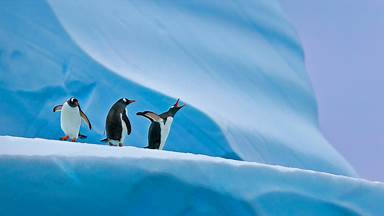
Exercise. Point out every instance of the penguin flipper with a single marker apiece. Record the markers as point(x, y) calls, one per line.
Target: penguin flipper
point(127, 123)
point(150, 115)
point(154, 136)
point(85, 118)
point(57, 108)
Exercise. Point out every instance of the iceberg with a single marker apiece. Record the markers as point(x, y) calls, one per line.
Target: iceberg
point(48, 177)
point(238, 65)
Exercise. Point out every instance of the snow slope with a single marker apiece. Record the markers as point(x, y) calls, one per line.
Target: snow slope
point(46, 177)
point(237, 64)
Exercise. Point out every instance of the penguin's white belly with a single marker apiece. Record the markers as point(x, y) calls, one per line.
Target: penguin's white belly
point(165, 128)
point(70, 120)
point(124, 127)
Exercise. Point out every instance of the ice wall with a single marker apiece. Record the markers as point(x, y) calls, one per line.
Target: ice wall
point(238, 65)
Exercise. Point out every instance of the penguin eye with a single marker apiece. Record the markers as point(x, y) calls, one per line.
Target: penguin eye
point(125, 100)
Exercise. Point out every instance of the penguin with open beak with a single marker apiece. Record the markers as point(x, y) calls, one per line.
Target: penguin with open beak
point(117, 124)
point(160, 125)
point(70, 119)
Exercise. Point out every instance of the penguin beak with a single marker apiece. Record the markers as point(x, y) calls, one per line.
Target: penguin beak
point(177, 104)
point(131, 101)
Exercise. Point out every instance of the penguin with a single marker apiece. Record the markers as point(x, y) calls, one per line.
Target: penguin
point(70, 119)
point(160, 125)
point(117, 124)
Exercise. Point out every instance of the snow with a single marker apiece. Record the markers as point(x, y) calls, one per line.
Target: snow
point(49, 177)
point(238, 65)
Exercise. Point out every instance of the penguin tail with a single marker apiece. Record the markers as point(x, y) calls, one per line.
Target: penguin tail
point(82, 136)
point(104, 140)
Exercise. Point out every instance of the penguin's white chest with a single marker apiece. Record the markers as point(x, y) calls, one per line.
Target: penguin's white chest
point(165, 128)
point(124, 129)
point(70, 120)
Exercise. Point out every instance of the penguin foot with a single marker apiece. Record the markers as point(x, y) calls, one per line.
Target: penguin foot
point(73, 140)
point(64, 138)
point(121, 144)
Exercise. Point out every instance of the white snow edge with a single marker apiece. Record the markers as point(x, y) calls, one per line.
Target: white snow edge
point(19, 146)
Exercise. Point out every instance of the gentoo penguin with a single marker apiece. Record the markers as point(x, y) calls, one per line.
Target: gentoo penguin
point(70, 119)
point(160, 126)
point(117, 124)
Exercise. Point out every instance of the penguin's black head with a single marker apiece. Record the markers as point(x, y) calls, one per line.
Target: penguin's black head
point(73, 102)
point(126, 101)
point(176, 107)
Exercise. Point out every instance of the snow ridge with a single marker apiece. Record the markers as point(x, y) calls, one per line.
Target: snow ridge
point(77, 178)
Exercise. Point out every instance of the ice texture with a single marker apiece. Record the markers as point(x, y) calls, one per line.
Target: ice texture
point(47, 177)
point(237, 64)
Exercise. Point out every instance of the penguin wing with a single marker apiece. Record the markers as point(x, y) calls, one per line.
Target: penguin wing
point(57, 108)
point(127, 123)
point(154, 136)
point(150, 115)
point(85, 118)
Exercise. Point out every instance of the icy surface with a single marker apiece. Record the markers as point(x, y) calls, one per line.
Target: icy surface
point(47, 177)
point(237, 64)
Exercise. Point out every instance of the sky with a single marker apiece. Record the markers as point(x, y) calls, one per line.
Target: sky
point(344, 47)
